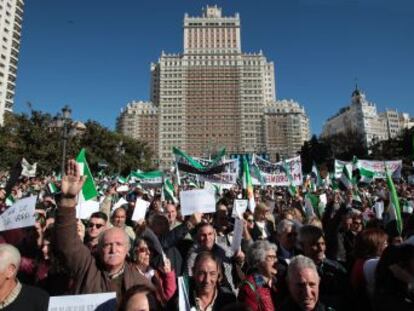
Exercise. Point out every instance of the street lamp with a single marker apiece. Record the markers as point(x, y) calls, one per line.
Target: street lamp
point(120, 150)
point(65, 118)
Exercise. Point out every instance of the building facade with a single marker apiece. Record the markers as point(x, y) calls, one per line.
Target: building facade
point(286, 128)
point(213, 94)
point(11, 20)
point(361, 117)
point(139, 120)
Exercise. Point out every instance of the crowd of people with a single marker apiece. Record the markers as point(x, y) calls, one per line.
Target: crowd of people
point(348, 258)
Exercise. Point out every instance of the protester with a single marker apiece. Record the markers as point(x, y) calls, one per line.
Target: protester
point(96, 225)
point(163, 277)
point(258, 291)
point(112, 271)
point(13, 294)
point(303, 282)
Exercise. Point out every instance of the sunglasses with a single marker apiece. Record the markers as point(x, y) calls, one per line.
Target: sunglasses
point(250, 220)
point(143, 249)
point(98, 226)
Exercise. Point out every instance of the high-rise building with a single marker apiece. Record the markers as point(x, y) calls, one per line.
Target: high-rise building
point(214, 95)
point(359, 117)
point(286, 129)
point(139, 120)
point(11, 20)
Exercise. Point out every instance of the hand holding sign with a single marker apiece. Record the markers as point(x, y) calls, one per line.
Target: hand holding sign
point(21, 214)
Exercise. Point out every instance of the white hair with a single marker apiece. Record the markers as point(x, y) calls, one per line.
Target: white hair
point(9, 255)
point(299, 263)
point(284, 225)
point(256, 254)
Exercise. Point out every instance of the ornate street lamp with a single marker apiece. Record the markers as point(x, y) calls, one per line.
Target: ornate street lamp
point(65, 118)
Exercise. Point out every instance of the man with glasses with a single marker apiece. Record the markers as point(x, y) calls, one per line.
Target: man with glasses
point(96, 225)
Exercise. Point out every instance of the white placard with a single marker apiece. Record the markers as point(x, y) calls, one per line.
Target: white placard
point(85, 209)
point(323, 199)
point(103, 301)
point(197, 200)
point(379, 209)
point(237, 235)
point(21, 214)
point(239, 207)
point(140, 209)
point(123, 188)
point(120, 202)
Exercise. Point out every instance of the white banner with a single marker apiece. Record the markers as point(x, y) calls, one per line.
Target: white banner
point(21, 214)
point(229, 177)
point(103, 301)
point(273, 174)
point(378, 167)
point(198, 200)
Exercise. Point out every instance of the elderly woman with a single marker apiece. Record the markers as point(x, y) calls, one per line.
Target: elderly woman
point(163, 278)
point(258, 290)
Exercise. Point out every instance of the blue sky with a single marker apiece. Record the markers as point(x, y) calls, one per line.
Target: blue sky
point(95, 55)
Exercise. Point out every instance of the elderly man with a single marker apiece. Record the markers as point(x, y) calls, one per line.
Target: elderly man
point(110, 272)
point(334, 285)
point(13, 294)
point(303, 282)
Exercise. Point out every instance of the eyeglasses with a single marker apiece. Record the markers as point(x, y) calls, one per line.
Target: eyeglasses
point(143, 249)
point(271, 257)
point(98, 226)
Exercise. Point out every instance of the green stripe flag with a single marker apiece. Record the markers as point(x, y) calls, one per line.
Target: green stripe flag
point(394, 210)
point(168, 191)
point(291, 187)
point(88, 190)
point(367, 176)
point(52, 188)
point(10, 200)
point(248, 185)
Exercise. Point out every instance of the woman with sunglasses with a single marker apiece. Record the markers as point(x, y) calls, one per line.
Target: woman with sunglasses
point(162, 277)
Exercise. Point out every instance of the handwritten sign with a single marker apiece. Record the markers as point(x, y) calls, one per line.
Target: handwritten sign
point(85, 209)
point(103, 301)
point(198, 200)
point(140, 209)
point(239, 207)
point(21, 214)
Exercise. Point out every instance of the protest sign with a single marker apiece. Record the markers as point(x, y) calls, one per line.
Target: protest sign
point(239, 207)
point(85, 209)
point(21, 214)
point(122, 188)
point(140, 209)
point(120, 202)
point(378, 167)
point(237, 235)
point(379, 209)
point(267, 173)
point(103, 301)
point(198, 200)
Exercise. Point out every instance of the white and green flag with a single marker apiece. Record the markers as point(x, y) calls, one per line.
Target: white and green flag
point(346, 177)
point(52, 188)
point(168, 191)
point(367, 176)
point(88, 190)
point(152, 178)
point(394, 208)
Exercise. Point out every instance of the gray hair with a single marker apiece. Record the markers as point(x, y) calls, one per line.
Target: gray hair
point(284, 225)
point(299, 263)
point(256, 254)
point(9, 255)
point(103, 233)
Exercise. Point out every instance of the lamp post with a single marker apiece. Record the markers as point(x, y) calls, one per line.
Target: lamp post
point(66, 115)
point(120, 150)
